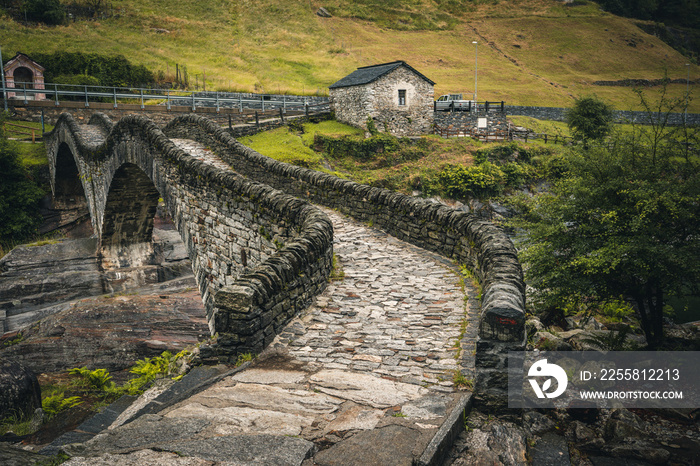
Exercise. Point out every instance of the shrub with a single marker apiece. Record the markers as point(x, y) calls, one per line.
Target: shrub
point(478, 181)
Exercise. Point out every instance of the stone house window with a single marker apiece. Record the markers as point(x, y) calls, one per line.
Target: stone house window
point(402, 97)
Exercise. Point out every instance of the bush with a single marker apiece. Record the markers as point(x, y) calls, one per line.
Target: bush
point(589, 119)
point(516, 174)
point(478, 181)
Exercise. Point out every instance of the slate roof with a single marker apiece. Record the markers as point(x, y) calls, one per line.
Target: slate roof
point(368, 74)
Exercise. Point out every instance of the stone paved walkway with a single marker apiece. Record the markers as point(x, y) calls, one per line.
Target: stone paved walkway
point(396, 312)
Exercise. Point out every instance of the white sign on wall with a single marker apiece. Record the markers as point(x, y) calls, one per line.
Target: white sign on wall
point(482, 123)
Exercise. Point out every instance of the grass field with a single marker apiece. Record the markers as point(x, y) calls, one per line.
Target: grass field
point(530, 52)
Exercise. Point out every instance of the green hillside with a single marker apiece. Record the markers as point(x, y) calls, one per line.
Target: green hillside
point(531, 52)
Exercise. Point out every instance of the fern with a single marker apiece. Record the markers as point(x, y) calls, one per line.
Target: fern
point(98, 379)
point(55, 403)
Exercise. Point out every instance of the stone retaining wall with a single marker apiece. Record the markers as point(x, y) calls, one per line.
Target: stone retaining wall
point(454, 124)
point(259, 255)
point(479, 244)
point(559, 114)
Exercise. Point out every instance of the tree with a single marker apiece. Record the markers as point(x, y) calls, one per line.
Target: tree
point(589, 119)
point(19, 196)
point(624, 220)
point(95, 6)
point(45, 11)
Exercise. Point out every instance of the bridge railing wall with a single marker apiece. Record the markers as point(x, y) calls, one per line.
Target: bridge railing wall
point(479, 244)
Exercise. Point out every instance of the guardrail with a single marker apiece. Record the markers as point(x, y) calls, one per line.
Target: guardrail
point(478, 106)
point(31, 132)
point(166, 96)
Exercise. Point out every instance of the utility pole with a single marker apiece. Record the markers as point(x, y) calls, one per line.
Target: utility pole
point(476, 69)
point(4, 89)
point(687, 91)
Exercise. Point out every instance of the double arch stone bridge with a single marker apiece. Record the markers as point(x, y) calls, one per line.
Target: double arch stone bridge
point(260, 247)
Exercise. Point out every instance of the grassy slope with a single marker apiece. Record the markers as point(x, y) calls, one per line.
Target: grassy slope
point(287, 145)
point(531, 52)
point(402, 171)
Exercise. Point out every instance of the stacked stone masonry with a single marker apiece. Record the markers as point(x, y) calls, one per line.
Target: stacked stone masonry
point(259, 255)
point(479, 244)
point(461, 124)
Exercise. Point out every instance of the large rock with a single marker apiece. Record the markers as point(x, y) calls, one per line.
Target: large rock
point(13, 456)
point(113, 332)
point(20, 393)
point(40, 280)
point(495, 443)
point(389, 446)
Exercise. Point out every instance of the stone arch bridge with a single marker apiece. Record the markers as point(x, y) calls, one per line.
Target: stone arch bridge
point(260, 250)
point(258, 255)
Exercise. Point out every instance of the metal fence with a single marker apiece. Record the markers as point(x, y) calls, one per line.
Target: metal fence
point(472, 106)
point(167, 97)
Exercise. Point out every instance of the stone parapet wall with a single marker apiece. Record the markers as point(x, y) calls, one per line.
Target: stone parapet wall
point(559, 114)
point(482, 246)
point(259, 255)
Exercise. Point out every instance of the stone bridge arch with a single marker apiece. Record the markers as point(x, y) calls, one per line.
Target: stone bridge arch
point(68, 189)
point(258, 255)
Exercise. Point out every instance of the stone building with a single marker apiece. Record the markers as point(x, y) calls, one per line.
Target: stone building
point(395, 95)
point(23, 72)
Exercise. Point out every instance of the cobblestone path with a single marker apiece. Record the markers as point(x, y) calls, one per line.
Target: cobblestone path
point(397, 312)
